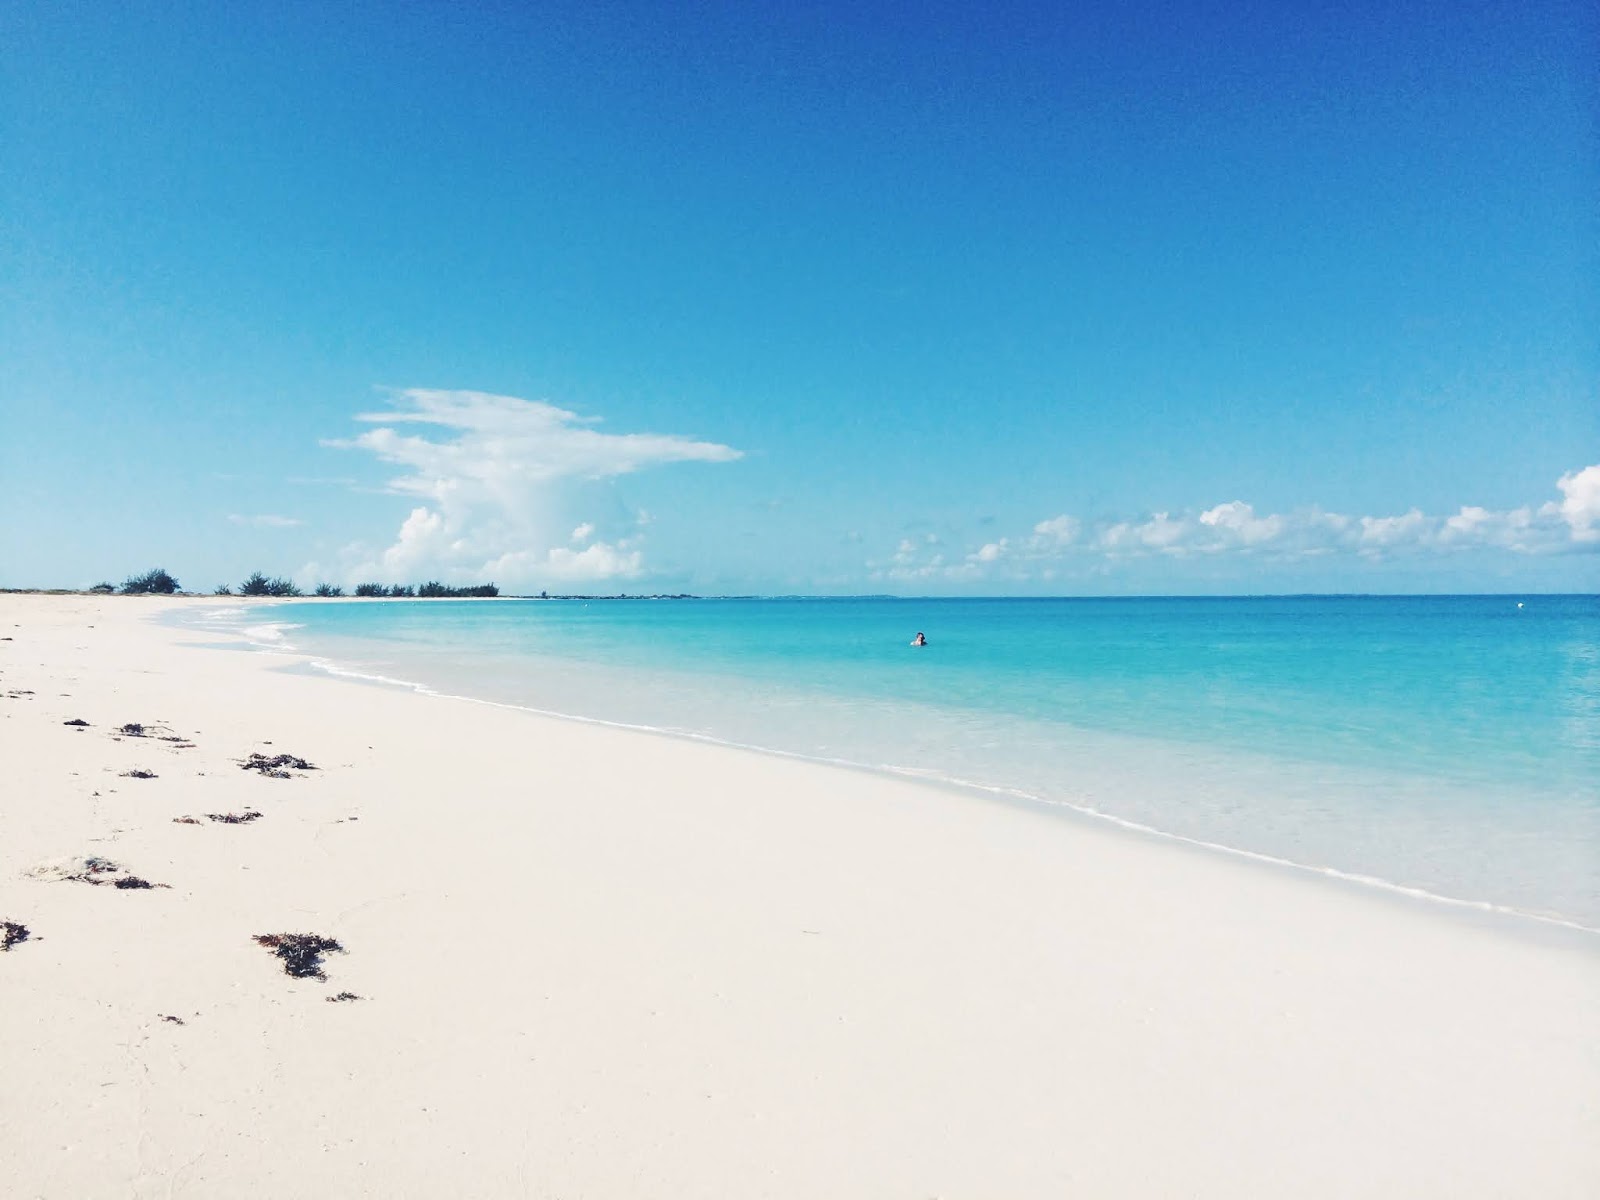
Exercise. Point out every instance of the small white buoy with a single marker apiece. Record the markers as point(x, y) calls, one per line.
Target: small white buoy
point(1519, 603)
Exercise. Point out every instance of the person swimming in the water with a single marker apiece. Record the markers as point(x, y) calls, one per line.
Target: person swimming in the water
point(919, 640)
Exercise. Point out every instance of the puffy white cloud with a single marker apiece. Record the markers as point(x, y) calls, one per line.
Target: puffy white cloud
point(993, 552)
point(1239, 520)
point(1384, 532)
point(496, 473)
point(1162, 532)
point(1580, 503)
point(596, 562)
point(1057, 531)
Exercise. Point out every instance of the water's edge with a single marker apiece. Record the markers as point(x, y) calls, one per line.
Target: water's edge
point(269, 637)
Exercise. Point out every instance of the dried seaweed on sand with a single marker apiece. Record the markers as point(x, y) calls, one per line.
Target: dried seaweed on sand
point(277, 766)
point(301, 952)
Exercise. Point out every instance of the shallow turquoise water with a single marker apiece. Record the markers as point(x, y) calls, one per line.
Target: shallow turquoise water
point(1449, 744)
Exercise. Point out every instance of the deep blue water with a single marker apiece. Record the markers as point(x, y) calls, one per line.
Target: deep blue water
point(1450, 744)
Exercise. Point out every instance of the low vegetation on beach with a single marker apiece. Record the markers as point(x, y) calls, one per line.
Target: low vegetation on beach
point(258, 583)
point(151, 583)
point(432, 590)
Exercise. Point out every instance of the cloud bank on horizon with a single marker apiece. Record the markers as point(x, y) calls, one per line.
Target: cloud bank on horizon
point(501, 488)
point(497, 486)
point(1570, 524)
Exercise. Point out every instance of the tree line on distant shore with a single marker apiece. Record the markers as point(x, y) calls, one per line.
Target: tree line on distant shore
point(159, 582)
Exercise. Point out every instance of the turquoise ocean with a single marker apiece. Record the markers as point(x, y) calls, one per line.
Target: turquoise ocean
point(1441, 745)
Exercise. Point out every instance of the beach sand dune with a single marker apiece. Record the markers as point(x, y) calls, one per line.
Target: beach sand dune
point(588, 962)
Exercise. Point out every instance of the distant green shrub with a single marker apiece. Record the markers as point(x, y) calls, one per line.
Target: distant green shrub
point(433, 588)
point(259, 585)
point(103, 588)
point(328, 589)
point(156, 582)
point(223, 590)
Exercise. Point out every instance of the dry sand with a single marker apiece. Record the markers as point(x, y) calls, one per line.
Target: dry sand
point(597, 963)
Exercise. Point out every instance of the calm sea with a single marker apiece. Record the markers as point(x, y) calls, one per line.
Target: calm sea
point(1449, 745)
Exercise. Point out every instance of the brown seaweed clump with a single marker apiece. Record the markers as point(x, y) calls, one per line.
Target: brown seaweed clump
point(132, 729)
point(301, 952)
point(77, 721)
point(277, 766)
point(12, 934)
point(139, 773)
point(186, 820)
point(97, 871)
point(341, 997)
point(243, 818)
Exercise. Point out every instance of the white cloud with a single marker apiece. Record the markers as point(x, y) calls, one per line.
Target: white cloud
point(496, 473)
point(1384, 532)
point(266, 521)
point(1161, 532)
point(1239, 519)
point(1580, 503)
point(1057, 531)
point(599, 560)
point(596, 562)
point(1234, 527)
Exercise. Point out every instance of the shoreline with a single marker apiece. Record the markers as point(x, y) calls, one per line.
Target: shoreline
point(600, 964)
point(1493, 914)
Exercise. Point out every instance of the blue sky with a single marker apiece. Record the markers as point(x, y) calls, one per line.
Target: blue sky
point(932, 299)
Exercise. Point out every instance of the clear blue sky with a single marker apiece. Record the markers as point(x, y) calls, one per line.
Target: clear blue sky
point(896, 286)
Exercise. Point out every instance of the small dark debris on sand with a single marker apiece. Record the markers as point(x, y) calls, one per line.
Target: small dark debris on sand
point(132, 729)
point(98, 871)
point(186, 820)
point(173, 1020)
point(139, 773)
point(78, 721)
point(342, 996)
point(243, 818)
point(301, 952)
point(276, 767)
point(12, 934)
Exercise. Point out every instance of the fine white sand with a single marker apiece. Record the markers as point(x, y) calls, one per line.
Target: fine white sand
point(596, 963)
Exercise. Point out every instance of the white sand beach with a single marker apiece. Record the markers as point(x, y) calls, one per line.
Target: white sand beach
point(597, 963)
